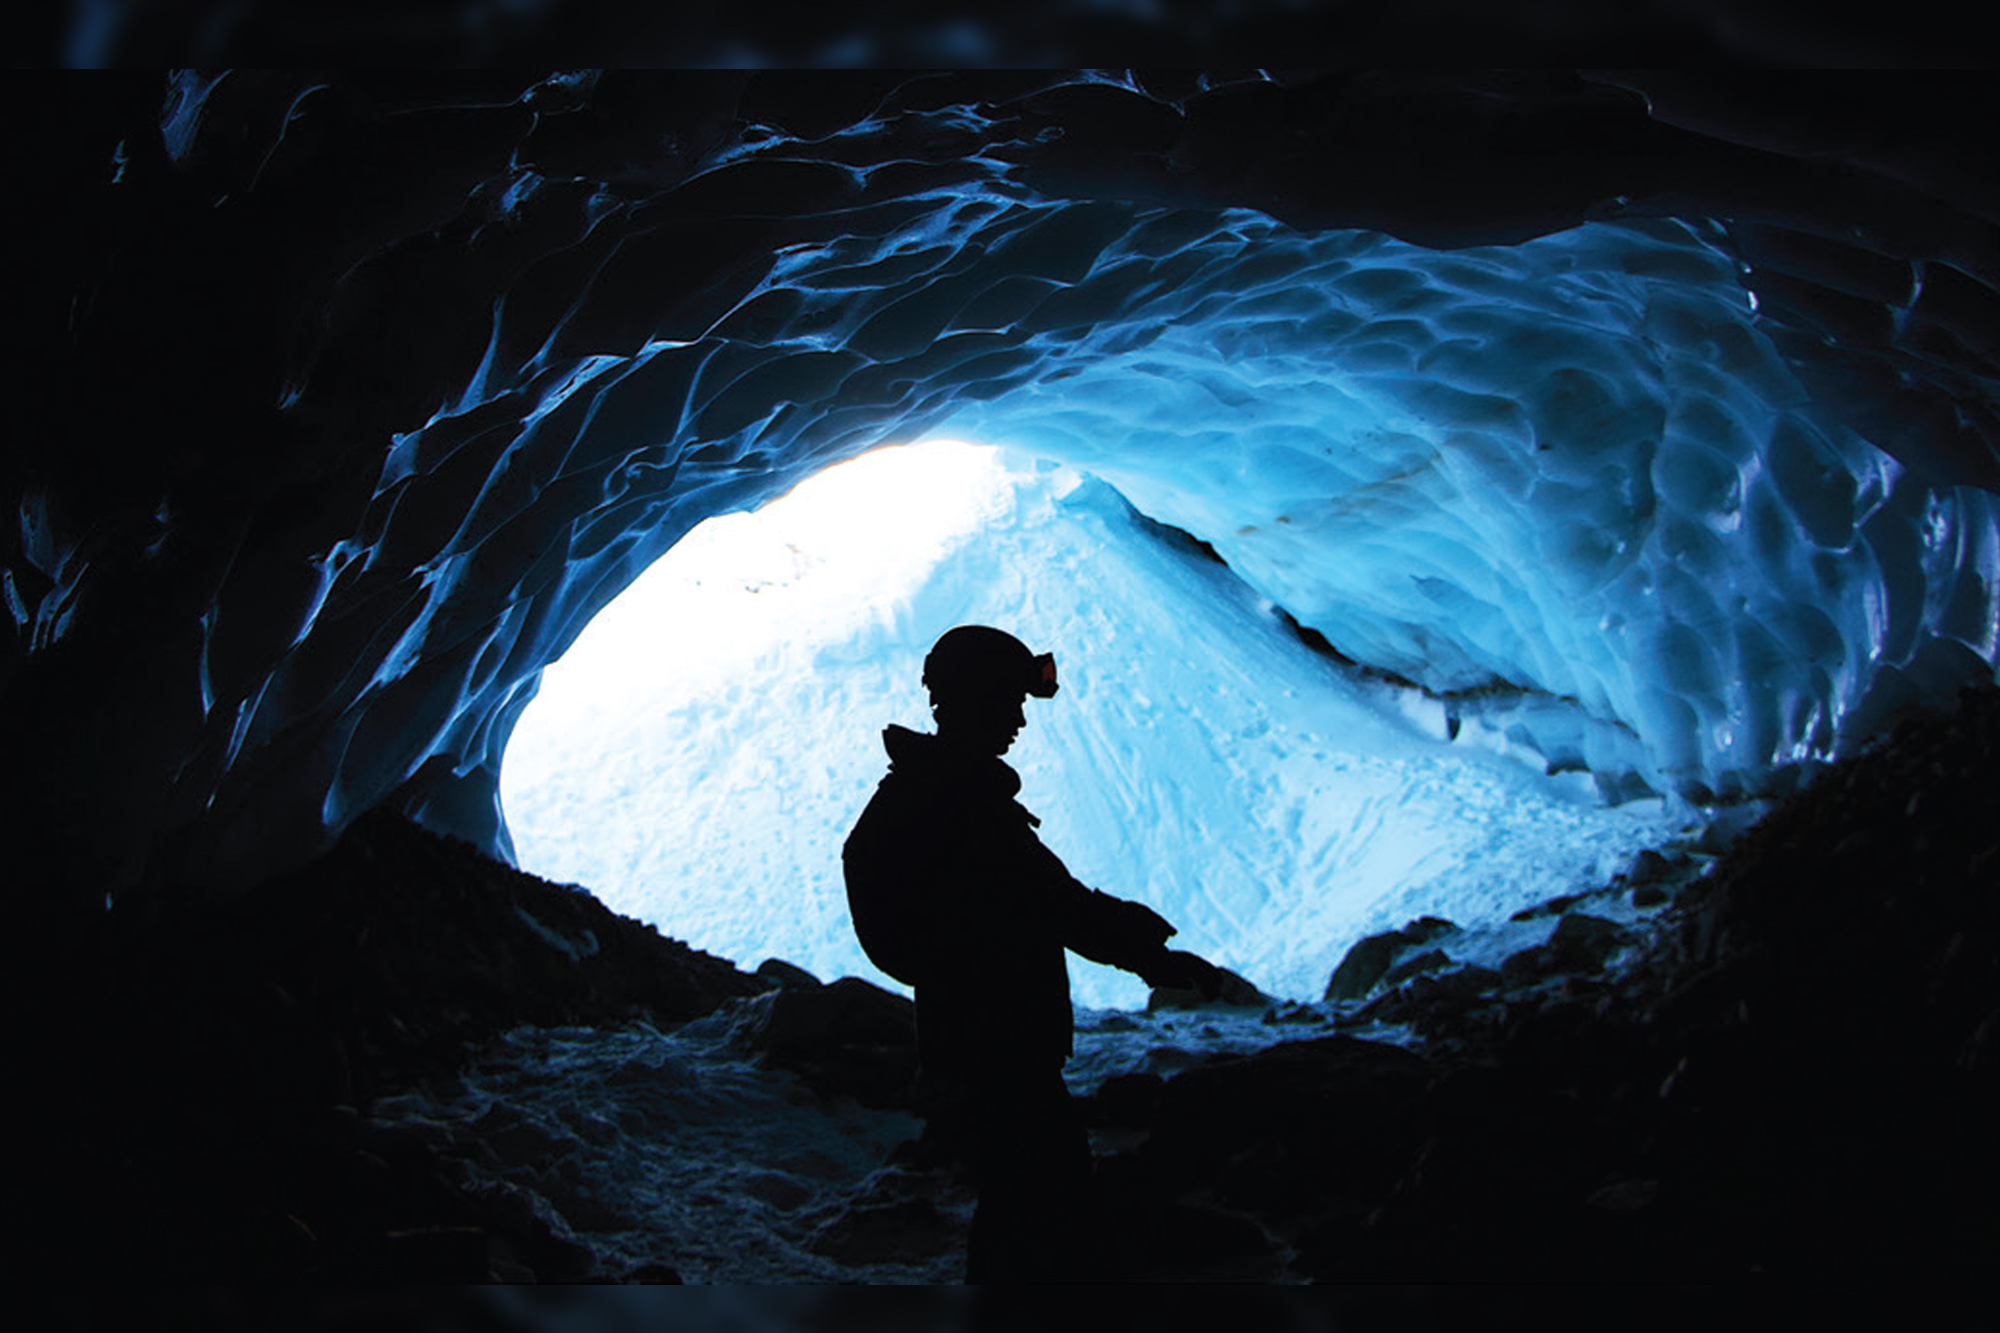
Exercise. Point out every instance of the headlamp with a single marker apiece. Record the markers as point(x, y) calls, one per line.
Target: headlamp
point(1042, 681)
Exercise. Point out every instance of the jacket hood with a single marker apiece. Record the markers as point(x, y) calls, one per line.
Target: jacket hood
point(926, 757)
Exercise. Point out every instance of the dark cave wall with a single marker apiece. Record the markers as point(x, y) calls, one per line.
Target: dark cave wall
point(277, 558)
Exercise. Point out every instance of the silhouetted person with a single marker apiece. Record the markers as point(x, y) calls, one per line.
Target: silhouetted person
point(954, 895)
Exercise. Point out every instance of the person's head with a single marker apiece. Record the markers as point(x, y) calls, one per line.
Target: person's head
point(979, 678)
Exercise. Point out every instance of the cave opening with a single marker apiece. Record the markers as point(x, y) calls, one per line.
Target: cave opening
point(698, 754)
point(1561, 502)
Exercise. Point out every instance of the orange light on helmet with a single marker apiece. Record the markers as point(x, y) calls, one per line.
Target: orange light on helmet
point(1043, 683)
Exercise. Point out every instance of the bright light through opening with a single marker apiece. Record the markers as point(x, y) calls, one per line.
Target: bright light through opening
point(699, 755)
point(794, 578)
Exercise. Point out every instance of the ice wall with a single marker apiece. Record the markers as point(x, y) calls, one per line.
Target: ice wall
point(442, 365)
point(1567, 489)
point(1568, 485)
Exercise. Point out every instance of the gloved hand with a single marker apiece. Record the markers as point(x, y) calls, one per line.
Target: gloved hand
point(1139, 924)
point(1177, 969)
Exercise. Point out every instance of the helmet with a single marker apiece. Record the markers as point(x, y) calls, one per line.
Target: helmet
point(977, 659)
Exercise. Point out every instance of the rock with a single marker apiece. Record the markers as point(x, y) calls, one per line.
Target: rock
point(846, 1037)
point(1430, 996)
point(1431, 960)
point(1650, 866)
point(781, 1191)
point(1580, 944)
point(1431, 1000)
point(1365, 964)
point(1525, 967)
point(1276, 1135)
point(1369, 960)
point(1467, 982)
point(1553, 907)
point(1291, 1012)
point(907, 1231)
point(788, 974)
point(1427, 928)
point(1125, 1099)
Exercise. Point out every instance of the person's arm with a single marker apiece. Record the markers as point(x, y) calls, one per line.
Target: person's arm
point(1127, 935)
point(1177, 969)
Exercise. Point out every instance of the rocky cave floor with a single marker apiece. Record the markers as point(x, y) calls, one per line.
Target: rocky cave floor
point(1785, 1067)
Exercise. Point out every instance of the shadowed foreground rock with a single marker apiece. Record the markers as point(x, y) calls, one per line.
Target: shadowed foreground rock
point(1795, 1078)
point(216, 1067)
point(847, 1038)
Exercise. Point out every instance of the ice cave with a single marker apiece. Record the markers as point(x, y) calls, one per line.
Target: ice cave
point(1454, 499)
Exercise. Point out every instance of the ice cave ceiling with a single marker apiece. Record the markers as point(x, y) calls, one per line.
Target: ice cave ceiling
point(341, 405)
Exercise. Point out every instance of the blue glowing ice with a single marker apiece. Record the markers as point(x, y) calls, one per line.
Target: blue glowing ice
point(699, 756)
point(1564, 497)
point(1569, 480)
